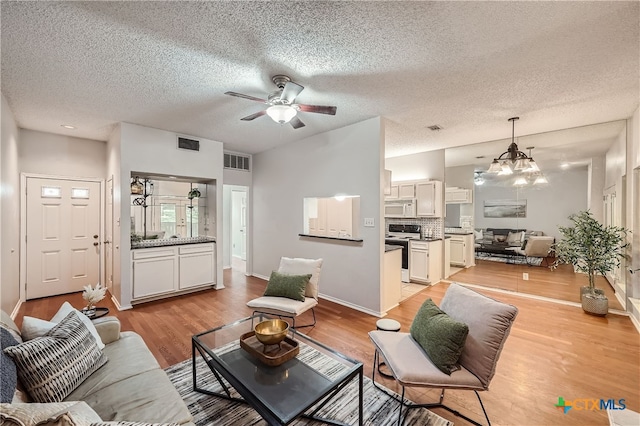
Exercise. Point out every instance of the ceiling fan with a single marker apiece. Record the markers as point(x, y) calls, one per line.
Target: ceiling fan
point(281, 107)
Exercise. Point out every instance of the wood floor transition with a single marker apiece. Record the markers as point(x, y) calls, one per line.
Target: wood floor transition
point(553, 351)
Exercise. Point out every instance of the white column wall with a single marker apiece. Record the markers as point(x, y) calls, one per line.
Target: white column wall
point(349, 161)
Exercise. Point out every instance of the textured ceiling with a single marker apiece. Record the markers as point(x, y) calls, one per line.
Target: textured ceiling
point(466, 66)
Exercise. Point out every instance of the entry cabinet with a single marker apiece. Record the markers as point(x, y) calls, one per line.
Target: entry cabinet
point(462, 251)
point(428, 196)
point(425, 261)
point(164, 271)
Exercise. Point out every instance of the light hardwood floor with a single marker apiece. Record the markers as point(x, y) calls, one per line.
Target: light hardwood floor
point(553, 350)
point(561, 284)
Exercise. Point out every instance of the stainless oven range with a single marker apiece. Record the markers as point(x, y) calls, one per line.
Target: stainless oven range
point(400, 235)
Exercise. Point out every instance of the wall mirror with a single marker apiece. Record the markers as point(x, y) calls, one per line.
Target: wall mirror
point(163, 208)
point(332, 217)
point(574, 166)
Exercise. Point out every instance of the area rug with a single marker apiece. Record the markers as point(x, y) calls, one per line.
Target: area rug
point(379, 408)
point(516, 260)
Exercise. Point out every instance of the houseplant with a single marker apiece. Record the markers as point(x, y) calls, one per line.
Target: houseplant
point(592, 249)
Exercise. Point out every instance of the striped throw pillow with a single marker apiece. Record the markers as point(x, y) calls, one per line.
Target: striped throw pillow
point(52, 366)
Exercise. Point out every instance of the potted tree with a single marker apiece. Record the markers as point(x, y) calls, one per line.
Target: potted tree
point(592, 249)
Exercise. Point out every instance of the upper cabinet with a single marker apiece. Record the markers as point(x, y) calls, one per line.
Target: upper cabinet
point(427, 194)
point(429, 198)
point(453, 195)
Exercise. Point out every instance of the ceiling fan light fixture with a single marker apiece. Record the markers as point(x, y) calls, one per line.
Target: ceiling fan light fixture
point(281, 113)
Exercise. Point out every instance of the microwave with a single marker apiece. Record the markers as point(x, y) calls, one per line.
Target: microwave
point(400, 208)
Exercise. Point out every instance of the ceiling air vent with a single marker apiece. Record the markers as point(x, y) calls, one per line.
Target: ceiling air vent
point(190, 144)
point(434, 128)
point(236, 162)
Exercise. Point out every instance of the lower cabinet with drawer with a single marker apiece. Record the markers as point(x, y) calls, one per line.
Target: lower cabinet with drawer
point(425, 261)
point(164, 271)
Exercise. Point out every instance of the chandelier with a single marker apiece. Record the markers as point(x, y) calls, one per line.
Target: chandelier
point(513, 160)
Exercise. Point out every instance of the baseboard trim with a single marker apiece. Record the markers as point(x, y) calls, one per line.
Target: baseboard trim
point(352, 306)
point(14, 313)
point(533, 296)
point(338, 301)
point(635, 322)
point(118, 306)
point(262, 277)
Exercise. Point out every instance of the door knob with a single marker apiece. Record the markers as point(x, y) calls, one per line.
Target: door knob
point(96, 244)
point(95, 236)
point(107, 242)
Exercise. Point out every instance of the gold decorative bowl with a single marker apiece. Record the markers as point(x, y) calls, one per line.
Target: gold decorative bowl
point(271, 332)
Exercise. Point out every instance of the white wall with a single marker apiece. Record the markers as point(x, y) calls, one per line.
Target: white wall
point(425, 165)
point(113, 171)
point(152, 151)
point(547, 206)
point(616, 166)
point(597, 170)
point(9, 212)
point(59, 155)
point(343, 161)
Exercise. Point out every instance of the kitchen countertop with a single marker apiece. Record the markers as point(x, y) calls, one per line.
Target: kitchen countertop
point(171, 242)
point(389, 247)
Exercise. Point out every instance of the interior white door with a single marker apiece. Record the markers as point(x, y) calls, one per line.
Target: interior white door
point(108, 240)
point(62, 236)
point(239, 224)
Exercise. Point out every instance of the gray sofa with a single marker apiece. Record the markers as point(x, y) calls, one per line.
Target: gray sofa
point(502, 241)
point(131, 386)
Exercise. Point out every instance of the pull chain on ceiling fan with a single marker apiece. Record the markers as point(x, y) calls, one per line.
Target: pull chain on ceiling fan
point(282, 108)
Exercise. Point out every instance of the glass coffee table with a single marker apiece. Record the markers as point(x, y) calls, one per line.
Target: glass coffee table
point(300, 387)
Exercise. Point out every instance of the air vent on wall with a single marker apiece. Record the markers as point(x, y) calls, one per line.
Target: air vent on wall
point(236, 162)
point(190, 144)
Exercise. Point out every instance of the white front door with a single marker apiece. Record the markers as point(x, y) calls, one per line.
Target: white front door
point(62, 236)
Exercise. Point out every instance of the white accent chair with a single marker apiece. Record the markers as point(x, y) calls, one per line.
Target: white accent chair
point(489, 323)
point(289, 308)
point(537, 246)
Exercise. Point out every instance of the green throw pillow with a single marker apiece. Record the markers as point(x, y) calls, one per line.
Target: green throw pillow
point(290, 286)
point(441, 337)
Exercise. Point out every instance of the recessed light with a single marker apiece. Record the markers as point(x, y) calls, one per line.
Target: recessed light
point(67, 126)
point(564, 165)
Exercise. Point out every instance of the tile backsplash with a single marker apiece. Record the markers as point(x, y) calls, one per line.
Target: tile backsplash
point(435, 225)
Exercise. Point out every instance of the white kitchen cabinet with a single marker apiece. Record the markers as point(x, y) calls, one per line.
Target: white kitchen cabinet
point(164, 271)
point(387, 182)
point(429, 198)
point(197, 265)
point(455, 195)
point(462, 250)
point(155, 271)
point(425, 261)
point(394, 193)
point(406, 191)
point(336, 218)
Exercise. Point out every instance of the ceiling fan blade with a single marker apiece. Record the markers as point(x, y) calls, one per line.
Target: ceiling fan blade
point(251, 98)
point(256, 115)
point(290, 91)
point(296, 123)
point(320, 109)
